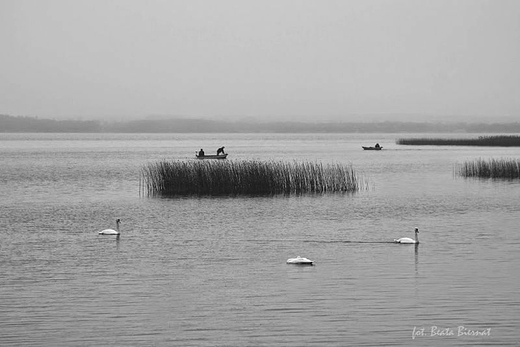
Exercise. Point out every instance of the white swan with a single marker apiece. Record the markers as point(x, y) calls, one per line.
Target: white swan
point(409, 240)
point(300, 261)
point(112, 231)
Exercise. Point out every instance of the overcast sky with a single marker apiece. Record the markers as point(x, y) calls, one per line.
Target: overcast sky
point(293, 59)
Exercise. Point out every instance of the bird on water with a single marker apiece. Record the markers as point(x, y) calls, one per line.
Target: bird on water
point(409, 240)
point(112, 231)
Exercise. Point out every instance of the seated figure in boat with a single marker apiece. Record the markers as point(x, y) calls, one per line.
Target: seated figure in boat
point(201, 153)
point(220, 150)
point(377, 145)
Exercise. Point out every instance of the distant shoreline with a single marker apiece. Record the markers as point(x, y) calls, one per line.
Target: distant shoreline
point(481, 141)
point(23, 124)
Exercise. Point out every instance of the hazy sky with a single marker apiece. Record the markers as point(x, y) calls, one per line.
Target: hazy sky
point(293, 59)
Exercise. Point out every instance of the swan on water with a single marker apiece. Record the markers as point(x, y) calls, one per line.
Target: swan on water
point(409, 240)
point(111, 231)
point(300, 261)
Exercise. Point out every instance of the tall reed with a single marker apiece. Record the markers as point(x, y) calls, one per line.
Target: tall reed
point(169, 178)
point(491, 168)
point(498, 141)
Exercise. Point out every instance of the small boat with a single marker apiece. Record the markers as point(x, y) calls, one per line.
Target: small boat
point(300, 261)
point(372, 148)
point(212, 156)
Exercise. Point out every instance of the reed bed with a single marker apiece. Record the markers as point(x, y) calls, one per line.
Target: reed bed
point(491, 168)
point(498, 141)
point(170, 178)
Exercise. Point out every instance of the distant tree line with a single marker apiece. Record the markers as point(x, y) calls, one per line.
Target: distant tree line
point(182, 125)
point(10, 124)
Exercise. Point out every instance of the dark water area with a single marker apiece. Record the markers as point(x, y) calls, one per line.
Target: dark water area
point(211, 271)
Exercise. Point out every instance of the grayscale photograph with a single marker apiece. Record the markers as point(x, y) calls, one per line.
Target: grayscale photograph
point(279, 173)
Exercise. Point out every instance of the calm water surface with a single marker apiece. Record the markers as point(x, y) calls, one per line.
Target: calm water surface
point(212, 272)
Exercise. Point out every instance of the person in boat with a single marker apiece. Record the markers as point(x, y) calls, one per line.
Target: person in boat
point(220, 150)
point(377, 145)
point(201, 153)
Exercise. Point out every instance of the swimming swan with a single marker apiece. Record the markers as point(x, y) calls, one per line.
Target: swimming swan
point(409, 240)
point(299, 261)
point(111, 231)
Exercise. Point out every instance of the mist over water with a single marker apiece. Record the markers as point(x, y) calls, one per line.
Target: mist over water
point(205, 271)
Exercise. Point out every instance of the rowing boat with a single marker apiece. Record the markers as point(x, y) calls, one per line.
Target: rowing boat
point(212, 156)
point(372, 148)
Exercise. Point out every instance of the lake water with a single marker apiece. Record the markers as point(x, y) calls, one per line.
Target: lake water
point(211, 271)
